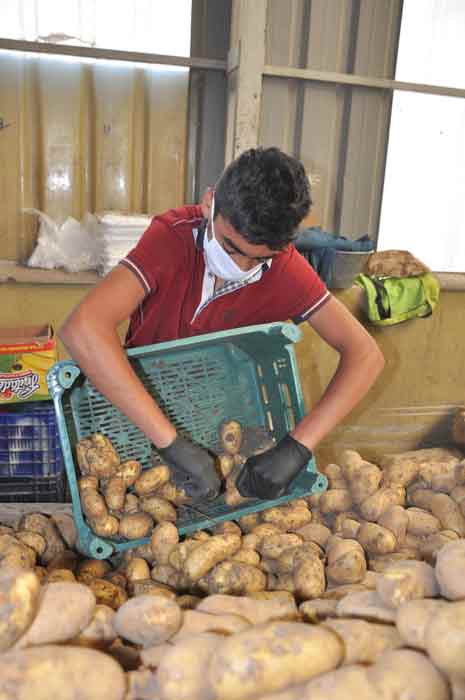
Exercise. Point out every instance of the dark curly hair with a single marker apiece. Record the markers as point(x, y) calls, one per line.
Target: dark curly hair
point(264, 194)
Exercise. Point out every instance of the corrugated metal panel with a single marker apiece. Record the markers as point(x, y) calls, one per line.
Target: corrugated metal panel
point(368, 118)
point(339, 132)
point(87, 137)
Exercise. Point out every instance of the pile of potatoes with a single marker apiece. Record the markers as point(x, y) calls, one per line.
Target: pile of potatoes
point(120, 500)
point(357, 592)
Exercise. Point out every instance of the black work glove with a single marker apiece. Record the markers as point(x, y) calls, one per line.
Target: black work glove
point(192, 469)
point(269, 474)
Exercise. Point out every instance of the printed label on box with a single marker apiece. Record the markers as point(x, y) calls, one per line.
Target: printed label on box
point(24, 363)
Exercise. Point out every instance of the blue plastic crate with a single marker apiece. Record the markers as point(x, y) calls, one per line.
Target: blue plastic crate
point(249, 374)
point(31, 461)
point(29, 441)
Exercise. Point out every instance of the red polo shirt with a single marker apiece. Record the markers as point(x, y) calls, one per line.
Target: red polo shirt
point(169, 262)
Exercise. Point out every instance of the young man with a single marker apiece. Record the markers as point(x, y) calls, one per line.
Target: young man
point(226, 264)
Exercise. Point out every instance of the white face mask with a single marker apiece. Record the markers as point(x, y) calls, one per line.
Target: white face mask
point(219, 263)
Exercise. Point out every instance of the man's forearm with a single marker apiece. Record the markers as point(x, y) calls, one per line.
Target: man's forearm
point(102, 359)
point(351, 381)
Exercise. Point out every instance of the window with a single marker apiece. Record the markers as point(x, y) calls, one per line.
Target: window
point(154, 26)
point(423, 207)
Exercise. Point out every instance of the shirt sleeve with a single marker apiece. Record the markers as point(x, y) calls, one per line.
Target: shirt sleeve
point(309, 293)
point(158, 255)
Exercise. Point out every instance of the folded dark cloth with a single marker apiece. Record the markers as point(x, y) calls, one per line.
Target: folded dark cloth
point(319, 248)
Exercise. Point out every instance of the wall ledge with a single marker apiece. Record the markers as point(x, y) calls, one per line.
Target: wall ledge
point(13, 273)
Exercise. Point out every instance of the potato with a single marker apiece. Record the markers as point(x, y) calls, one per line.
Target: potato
point(335, 501)
point(255, 610)
point(196, 622)
point(396, 520)
point(413, 618)
point(137, 570)
point(93, 504)
point(178, 555)
point(99, 633)
point(32, 540)
point(420, 497)
point(65, 609)
point(366, 605)
point(64, 523)
point(159, 509)
point(364, 482)
point(350, 529)
point(450, 570)
point(149, 587)
point(96, 568)
point(17, 555)
point(406, 580)
point(309, 577)
point(47, 528)
point(448, 513)
point(235, 578)
point(107, 593)
point(265, 530)
point(374, 506)
point(144, 551)
point(164, 573)
point(134, 526)
point(400, 469)
point(203, 558)
point(131, 503)
point(54, 671)
point(335, 685)
point(19, 601)
point(227, 527)
point(81, 454)
point(433, 544)
point(404, 671)
point(445, 640)
point(151, 479)
point(164, 538)
point(248, 522)
point(270, 657)
point(314, 532)
point(41, 573)
point(64, 560)
point(115, 493)
point(421, 523)
point(88, 482)
point(129, 471)
point(108, 526)
point(118, 578)
point(335, 476)
point(346, 562)
point(288, 518)
point(102, 459)
point(376, 539)
point(182, 670)
point(231, 436)
point(61, 575)
point(364, 642)
point(148, 620)
point(170, 493)
point(273, 546)
point(247, 556)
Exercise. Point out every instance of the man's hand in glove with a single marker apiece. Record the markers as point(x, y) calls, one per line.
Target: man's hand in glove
point(192, 469)
point(268, 475)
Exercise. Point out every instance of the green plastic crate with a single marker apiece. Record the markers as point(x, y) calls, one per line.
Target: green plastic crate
point(249, 374)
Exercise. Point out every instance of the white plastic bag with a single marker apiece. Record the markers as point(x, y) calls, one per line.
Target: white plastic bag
point(74, 246)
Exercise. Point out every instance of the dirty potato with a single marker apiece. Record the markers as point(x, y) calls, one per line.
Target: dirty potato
point(134, 526)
